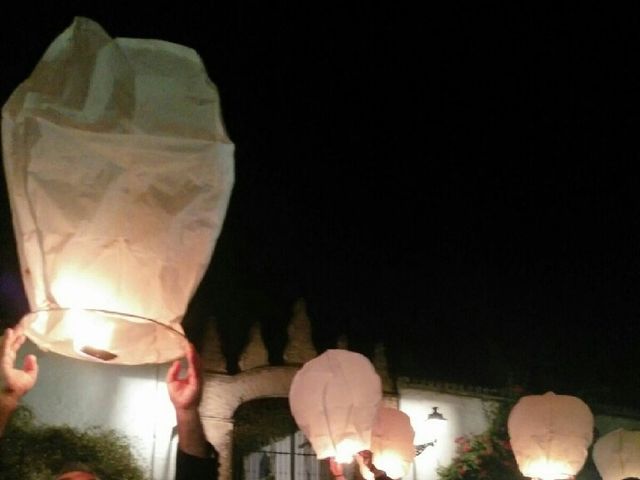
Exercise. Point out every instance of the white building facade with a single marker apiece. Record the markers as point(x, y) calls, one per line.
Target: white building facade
point(134, 401)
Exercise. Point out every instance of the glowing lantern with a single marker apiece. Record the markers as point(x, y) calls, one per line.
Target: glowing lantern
point(392, 442)
point(119, 174)
point(617, 455)
point(334, 399)
point(550, 435)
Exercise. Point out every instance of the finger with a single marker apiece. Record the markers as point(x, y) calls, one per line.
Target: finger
point(191, 360)
point(173, 373)
point(7, 355)
point(195, 364)
point(191, 353)
point(30, 365)
point(17, 337)
point(7, 339)
point(19, 328)
point(18, 341)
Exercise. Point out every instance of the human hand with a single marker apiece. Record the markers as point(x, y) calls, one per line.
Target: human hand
point(335, 468)
point(366, 457)
point(186, 393)
point(15, 382)
point(364, 467)
point(367, 469)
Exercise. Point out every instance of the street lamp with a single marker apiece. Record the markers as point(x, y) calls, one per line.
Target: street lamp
point(435, 426)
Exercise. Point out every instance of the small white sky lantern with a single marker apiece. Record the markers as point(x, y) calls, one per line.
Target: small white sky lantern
point(617, 455)
point(119, 173)
point(392, 442)
point(334, 399)
point(550, 435)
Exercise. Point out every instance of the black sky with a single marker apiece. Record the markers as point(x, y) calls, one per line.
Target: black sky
point(459, 183)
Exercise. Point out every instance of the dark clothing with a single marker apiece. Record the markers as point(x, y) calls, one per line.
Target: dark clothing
point(189, 467)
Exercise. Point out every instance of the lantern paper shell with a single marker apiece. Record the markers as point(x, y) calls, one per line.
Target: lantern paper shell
point(392, 442)
point(617, 455)
point(119, 174)
point(334, 399)
point(550, 435)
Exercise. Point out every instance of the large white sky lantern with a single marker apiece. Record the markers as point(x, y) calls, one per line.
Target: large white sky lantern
point(617, 455)
point(392, 442)
point(334, 399)
point(550, 435)
point(119, 173)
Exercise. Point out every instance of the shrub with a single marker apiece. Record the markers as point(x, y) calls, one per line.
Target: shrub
point(32, 451)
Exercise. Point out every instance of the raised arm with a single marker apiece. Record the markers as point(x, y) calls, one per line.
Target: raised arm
point(14, 382)
point(196, 456)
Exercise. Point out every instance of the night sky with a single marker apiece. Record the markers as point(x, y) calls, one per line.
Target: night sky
point(459, 183)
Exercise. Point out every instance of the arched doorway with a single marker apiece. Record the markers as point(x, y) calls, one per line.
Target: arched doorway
point(267, 444)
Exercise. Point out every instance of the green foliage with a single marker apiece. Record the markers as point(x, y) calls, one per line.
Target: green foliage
point(489, 455)
point(31, 451)
point(485, 456)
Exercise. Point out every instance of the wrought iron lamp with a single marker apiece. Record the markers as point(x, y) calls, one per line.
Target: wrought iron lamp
point(435, 425)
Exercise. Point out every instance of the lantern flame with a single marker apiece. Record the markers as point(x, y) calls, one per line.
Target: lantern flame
point(89, 331)
point(76, 291)
point(547, 470)
point(346, 449)
point(550, 435)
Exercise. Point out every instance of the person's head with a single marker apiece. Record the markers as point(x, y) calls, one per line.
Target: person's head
point(76, 471)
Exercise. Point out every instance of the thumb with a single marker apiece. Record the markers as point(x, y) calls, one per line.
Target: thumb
point(173, 372)
point(30, 365)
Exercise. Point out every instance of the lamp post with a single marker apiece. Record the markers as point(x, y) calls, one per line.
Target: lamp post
point(435, 425)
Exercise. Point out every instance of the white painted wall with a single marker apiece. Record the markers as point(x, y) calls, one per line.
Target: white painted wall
point(465, 416)
point(134, 401)
point(130, 399)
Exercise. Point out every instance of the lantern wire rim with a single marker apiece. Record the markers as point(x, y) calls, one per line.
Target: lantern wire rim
point(109, 312)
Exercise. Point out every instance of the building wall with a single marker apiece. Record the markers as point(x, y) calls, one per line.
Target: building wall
point(223, 394)
point(465, 415)
point(133, 400)
point(130, 399)
point(468, 414)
